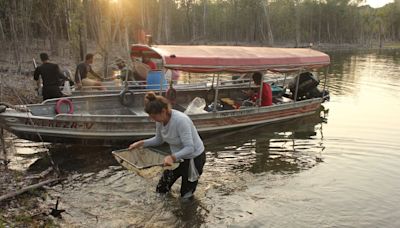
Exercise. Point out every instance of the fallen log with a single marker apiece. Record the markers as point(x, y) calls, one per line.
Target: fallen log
point(42, 174)
point(28, 188)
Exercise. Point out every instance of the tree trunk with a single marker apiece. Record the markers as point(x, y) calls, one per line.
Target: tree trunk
point(142, 13)
point(319, 22)
point(235, 16)
point(166, 22)
point(380, 34)
point(83, 31)
point(2, 34)
point(328, 30)
point(268, 22)
point(204, 18)
point(297, 21)
point(28, 188)
point(54, 44)
point(161, 7)
point(193, 22)
point(14, 37)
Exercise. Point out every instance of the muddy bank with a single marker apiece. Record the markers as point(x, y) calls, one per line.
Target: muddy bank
point(29, 208)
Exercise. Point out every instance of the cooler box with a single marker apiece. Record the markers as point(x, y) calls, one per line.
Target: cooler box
point(277, 90)
point(155, 79)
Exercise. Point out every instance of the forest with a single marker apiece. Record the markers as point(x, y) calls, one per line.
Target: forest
point(69, 26)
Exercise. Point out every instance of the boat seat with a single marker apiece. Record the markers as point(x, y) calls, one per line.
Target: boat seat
point(281, 100)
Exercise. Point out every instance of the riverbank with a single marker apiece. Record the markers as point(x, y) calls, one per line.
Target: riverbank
point(27, 209)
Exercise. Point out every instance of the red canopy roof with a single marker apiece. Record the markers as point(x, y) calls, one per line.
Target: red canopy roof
point(232, 58)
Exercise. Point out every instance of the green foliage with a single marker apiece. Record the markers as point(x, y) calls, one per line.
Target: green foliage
point(331, 21)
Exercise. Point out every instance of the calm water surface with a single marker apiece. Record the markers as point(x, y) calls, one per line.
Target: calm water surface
point(338, 168)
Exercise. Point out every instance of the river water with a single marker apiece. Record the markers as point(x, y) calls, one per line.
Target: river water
point(337, 168)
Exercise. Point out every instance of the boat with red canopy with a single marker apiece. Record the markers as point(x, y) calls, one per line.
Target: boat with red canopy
point(108, 119)
point(232, 58)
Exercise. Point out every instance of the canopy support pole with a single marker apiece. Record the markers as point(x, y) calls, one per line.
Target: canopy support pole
point(161, 82)
point(284, 81)
point(216, 93)
point(259, 99)
point(297, 86)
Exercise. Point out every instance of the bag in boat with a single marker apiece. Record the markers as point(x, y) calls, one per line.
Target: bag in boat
point(196, 106)
point(67, 88)
point(145, 162)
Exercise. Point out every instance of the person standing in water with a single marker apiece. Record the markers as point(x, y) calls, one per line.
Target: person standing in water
point(178, 130)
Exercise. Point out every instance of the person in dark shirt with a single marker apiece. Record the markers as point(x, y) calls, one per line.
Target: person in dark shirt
point(82, 72)
point(51, 76)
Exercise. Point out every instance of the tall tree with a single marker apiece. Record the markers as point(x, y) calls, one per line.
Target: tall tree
point(267, 20)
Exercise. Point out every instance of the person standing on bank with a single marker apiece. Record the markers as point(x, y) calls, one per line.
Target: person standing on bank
point(82, 71)
point(178, 130)
point(51, 76)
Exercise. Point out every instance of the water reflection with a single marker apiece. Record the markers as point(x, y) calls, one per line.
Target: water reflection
point(264, 176)
point(283, 148)
point(76, 158)
point(279, 148)
point(188, 213)
point(102, 194)
point(348, 69)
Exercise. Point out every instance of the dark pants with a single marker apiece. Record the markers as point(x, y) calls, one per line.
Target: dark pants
point(169, 177)
point(49, 92)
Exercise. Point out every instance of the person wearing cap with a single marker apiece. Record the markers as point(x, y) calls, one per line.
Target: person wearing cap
point(51, 76)
point(146, 60)
point(124, 71)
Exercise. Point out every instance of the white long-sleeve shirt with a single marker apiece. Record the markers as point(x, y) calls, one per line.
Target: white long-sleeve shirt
point(181, 135)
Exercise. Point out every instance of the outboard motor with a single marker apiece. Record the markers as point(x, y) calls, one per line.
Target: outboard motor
point(307, 87)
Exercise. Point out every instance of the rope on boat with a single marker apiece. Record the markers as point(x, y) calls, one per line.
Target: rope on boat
point(126, 97)
point(24, 109)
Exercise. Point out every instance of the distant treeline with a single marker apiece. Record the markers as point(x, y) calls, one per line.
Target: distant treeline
point(263, 22)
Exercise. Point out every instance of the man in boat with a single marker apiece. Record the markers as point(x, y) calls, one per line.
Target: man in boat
point(146, 60)
point(178, 130)
point(124, 71)
point(82, 74)
point(51, 76)
point(142, 68)
point(266, 93)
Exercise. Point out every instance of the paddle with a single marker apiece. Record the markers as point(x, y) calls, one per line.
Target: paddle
point(39, 89)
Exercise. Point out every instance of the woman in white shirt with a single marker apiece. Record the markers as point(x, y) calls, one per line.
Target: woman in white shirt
point(178, 130)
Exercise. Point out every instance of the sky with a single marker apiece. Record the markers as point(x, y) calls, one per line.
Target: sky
point(378, 3)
